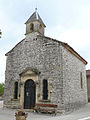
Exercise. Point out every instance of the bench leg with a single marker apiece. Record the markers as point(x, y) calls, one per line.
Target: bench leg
point(54, 113)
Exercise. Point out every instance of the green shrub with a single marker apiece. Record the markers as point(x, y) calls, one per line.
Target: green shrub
point(1, 89)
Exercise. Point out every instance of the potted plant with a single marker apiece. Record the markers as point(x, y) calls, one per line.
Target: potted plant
point(21, 115)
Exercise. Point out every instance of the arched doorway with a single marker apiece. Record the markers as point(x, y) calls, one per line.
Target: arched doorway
point(29, 94)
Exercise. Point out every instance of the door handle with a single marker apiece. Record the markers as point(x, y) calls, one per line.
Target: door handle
point(27, 93)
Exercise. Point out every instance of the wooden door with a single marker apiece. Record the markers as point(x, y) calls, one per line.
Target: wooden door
point(29, 94)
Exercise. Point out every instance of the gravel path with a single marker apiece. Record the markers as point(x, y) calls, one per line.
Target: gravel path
point(81, 114)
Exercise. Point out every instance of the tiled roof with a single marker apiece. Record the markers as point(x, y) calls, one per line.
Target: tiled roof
point(35, 16)
point(69, 48)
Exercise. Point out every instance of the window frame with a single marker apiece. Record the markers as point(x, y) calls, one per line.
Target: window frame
point(16, 90)
point(81, 80)
point(31, 27)
point(45, 89)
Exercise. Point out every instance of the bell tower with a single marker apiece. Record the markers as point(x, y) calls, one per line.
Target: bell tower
point(35, 24)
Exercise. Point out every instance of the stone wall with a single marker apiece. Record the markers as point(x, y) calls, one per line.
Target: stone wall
point(37, 26)
point(73, 95)
point(38, 53)
point(55, 63)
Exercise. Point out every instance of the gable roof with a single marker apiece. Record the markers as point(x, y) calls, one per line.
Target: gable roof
point(34, 17)
point(68, 47)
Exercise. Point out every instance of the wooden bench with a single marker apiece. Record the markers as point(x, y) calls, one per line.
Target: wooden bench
point(48, 108)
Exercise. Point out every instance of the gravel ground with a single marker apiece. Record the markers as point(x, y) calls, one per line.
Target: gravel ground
point(81, 114)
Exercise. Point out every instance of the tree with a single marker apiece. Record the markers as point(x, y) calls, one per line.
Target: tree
point(0, 33)
point(1, 89)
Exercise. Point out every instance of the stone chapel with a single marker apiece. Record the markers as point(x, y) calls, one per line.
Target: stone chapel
point(41, 69)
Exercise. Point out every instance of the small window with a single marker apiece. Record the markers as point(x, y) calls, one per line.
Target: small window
point(40, 26)
point(45, 90)
point(81, 80)
point(31, 27)
point(16, 90)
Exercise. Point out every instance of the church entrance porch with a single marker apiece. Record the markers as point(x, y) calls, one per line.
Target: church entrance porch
point(29, 88)
point(29, 94)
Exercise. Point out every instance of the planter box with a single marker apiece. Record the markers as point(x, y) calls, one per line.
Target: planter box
point(21, 117)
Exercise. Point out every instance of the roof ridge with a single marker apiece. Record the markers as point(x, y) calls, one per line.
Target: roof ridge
point(66, 45)
point(69, 48)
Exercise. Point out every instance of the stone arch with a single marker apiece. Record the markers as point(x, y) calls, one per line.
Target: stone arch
point(31, 27)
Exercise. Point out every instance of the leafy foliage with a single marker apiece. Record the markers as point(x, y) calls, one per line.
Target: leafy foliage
point(0, 33)
point(21, 112)
point(1, 89)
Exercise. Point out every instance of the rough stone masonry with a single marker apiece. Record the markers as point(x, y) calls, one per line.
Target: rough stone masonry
point(41, 69)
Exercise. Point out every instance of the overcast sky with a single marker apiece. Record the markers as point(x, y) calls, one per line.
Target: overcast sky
point(65, 20)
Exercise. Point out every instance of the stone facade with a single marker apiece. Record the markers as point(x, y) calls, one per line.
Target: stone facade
point(38, 57)
point(73, 94)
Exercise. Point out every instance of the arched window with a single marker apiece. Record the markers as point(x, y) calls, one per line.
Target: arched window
point(16, 90)
point(31, 27)
point(45, 89)
point(40, 26)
